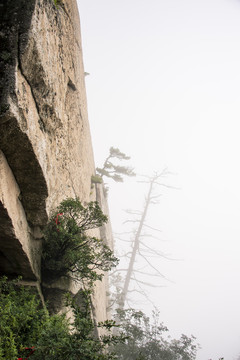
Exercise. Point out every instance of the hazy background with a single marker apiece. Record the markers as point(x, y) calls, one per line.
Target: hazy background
point(164, 87)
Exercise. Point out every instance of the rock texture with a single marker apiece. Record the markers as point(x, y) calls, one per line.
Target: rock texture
point(46, 152)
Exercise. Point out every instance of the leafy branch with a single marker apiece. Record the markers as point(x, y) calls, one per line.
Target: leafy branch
point(112, 170)
point(69, 250)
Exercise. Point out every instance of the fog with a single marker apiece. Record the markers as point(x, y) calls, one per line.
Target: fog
point(164, 87)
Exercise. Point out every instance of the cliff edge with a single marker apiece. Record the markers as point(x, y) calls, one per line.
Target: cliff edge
point(45, 144)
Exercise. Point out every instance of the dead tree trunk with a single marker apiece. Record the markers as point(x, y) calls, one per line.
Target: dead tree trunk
point(136, 243)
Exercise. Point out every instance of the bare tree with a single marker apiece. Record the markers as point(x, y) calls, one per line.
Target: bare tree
point(139, 245)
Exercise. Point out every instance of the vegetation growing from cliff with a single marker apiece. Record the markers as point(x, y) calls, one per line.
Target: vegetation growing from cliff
point(21, 319)
point(68, 247)
point(115, 171)
point(25, 323)
point(68, 250)
point(57, 2)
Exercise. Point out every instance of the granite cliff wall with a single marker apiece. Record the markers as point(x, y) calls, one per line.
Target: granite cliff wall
point(45, 143)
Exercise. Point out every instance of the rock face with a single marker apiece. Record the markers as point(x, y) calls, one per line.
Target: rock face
point(46, 152)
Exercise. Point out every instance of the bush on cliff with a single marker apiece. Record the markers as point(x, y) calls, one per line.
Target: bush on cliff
point(68, 250)
point(22, 319)
point(26, 324)
point(68, 247)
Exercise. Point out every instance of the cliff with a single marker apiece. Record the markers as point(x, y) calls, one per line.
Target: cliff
point(45, 144)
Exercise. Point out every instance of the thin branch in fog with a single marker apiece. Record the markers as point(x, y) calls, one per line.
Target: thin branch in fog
point(160, 274)
point(168, 186)
point(157, 252)
point(143, 292)
point(116, 271)
point(131, 221)
point(152, 237)
point(152, 228)
point(124, 233)
point(133, 212)
point(126, 254)
point(135, 290)
point(155, 197)
point(145, 273)
point(146, 283)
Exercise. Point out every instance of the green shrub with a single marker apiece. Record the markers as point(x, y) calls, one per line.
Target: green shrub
point(25, 323)
point(145, 339)
point(69, 250)
point(22, 318)
point(81, 344)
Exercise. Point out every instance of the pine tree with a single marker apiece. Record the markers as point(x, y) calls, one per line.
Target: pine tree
point(115, 171)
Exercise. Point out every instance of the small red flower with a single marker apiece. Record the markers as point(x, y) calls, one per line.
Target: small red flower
point(31, 352)
point(56, 220)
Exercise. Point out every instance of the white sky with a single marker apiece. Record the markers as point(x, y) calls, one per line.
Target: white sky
point(164, 87)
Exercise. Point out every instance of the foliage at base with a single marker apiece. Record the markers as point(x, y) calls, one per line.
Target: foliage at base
point(69, 250)
point(22, 319)
point(24, 323)
point(145, 340)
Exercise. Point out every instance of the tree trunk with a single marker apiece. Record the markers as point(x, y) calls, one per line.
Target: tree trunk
point(135, 248)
